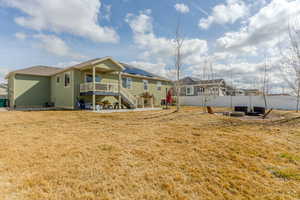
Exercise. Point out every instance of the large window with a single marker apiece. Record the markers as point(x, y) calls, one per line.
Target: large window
point(159, 85)
point(145, 83)
point(67, 79)
point(89, 78)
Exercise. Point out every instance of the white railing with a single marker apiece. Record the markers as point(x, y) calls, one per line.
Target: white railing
point(99, 87)
point(129, 96)
point(108, 87)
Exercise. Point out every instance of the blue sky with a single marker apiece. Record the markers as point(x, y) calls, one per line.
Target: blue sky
point(229, 35)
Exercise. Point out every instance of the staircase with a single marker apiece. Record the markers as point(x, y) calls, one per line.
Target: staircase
point(128, 99)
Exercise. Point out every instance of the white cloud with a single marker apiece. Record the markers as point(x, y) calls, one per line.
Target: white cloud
point(230, 12)
point(67, 64)
point(182, 8)
point(156, 68)
point(77, 17)
point(161, 49)
point(20, 36)
point(56, 46)
point(264, 28)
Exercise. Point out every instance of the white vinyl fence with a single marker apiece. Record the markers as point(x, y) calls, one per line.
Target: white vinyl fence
point(275, 102)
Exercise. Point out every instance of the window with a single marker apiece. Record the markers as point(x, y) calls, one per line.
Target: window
point(67, 79)
point(89, 78)
point(57, 79)
point(127, 82)
point(189, 91)
point(159, 85)
point(145, 82)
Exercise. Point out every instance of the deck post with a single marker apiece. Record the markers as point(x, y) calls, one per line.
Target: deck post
point(152, 102)
point(94, 88)
point(119, 90)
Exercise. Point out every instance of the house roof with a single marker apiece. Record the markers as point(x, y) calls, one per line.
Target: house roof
point(131, 70)
point(90, 63)
point(41, 70)
point(38, 70)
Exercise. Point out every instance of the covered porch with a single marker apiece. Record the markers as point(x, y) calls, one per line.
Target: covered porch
point(102, 78)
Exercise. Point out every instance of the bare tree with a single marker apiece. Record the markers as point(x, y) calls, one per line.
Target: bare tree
point(265, 88)
point(290, 61)
point(179, 40)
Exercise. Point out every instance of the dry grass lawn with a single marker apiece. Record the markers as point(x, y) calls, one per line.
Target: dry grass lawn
point(146, 155)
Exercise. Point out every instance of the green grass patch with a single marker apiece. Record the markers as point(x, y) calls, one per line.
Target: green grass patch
point(287, 174)
point(290, 157)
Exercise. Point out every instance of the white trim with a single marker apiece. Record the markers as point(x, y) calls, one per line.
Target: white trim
point(145, 77)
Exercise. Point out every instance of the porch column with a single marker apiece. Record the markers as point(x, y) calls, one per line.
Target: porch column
point(94, 88)
point(119, 90)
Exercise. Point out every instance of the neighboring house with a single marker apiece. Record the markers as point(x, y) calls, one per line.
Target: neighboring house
point(234, 92)
point(190, 86)
point(252, 92)
point(93, 82)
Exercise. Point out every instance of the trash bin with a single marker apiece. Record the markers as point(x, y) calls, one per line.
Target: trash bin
point(3, 103)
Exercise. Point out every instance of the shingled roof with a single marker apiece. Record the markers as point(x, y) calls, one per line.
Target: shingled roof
point(39, 70)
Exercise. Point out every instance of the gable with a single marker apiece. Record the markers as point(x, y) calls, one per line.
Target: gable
point(108, 65)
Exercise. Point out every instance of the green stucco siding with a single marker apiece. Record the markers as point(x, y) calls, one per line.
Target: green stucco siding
point(77, 82)
point(31, 91)
point(61, 96)
point(138, 88)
